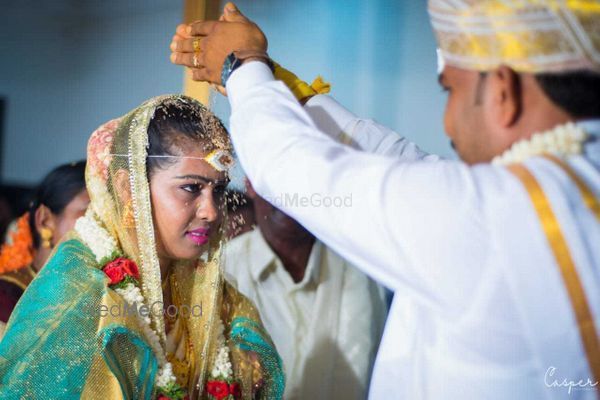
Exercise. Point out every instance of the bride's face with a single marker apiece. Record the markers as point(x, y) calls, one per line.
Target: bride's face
point(187, 204)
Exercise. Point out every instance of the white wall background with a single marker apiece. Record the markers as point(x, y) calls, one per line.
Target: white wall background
point(70, 65)
point(379, 56)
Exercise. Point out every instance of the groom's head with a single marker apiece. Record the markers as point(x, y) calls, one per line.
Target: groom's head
point(508, 75)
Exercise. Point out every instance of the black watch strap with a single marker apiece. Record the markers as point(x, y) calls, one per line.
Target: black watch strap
point(235, 59)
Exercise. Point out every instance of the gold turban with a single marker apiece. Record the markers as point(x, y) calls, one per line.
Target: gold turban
point(526, 35)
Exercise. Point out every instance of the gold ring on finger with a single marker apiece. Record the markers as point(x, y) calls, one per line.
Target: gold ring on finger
point(195, 60)
point(196, 44)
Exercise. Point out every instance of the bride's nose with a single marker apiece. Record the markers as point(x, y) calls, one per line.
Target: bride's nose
point(207, 209)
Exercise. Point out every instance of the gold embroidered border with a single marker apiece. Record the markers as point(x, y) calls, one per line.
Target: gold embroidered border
point(560, 249)
point(588, 196)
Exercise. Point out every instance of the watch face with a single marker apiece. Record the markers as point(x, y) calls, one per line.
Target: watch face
point(227, 68)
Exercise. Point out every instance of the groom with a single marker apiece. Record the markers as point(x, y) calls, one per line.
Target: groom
point(495, 268)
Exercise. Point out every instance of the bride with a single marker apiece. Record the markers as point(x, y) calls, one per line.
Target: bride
point(133, 303)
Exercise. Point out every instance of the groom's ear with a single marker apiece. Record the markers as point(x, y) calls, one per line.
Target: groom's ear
point(122, 186)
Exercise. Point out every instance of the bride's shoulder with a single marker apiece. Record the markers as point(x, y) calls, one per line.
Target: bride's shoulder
point(72, 259)
point(237, 303)
point(62, 289)
point(239, 310)
point(73, 247)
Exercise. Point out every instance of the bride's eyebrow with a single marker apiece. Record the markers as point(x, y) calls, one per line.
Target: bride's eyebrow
point(204, 179)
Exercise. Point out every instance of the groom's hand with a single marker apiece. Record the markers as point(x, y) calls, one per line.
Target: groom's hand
point(204, 45)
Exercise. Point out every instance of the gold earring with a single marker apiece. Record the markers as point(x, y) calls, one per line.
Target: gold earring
point(46, 234)
point(128, 218)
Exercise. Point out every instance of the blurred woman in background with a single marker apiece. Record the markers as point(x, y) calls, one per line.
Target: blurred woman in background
point(58, 201)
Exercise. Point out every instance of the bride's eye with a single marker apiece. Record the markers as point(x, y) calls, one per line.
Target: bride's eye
point(193, 188)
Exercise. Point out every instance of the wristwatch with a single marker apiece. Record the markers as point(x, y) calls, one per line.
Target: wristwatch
point(234, 60)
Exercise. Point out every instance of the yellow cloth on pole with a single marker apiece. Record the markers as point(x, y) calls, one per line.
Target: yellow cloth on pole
point(299, 88)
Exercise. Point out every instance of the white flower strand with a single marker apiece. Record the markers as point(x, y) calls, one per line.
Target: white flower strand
point(96, 237)
point(103, 245)
point(165, 376)
point(133, 296)
point(222, 367)
point(563, 140)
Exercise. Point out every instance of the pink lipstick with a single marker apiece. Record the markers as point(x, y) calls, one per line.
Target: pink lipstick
point(198, 236)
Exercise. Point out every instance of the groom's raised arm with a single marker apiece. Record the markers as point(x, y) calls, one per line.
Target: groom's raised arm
point(329, 116)
point(359, 133)
point(386, 214)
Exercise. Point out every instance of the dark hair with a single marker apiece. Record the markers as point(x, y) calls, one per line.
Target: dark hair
point(57, 190)
point(178, 119)
point(578, 92)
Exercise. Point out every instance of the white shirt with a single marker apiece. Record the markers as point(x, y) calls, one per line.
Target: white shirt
point(326, 327)
point(480, 309)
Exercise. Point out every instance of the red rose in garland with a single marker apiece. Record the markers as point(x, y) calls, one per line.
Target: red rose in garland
point(120, 268)
point(130, 268)
point(218, 389)
point(115, 274)
point(235, 391)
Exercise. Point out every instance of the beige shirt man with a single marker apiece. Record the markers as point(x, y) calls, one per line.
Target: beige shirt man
point(326, 327)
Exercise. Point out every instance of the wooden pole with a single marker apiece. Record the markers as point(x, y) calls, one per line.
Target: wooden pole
point(195, 10)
